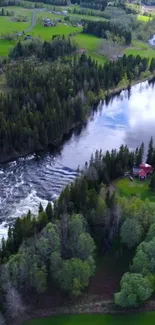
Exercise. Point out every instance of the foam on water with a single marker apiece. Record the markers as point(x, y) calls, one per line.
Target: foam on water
point(32, 202)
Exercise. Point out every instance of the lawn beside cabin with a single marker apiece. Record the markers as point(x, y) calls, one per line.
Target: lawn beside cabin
point(139, 188)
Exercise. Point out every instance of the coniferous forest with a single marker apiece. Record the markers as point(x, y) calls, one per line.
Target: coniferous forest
point(58, 248)
point(49, 89)
point(47, 97)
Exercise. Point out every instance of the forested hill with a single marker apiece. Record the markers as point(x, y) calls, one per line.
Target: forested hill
point(47, 99)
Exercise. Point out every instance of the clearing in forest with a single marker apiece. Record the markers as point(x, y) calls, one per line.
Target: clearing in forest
point(139, 188)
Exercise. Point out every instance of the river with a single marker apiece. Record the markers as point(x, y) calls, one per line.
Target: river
point(128, 118)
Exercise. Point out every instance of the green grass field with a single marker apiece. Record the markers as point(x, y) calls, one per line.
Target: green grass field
point(147, 318)
point(138, 188)
point(45, 14)
point(47, 32)
point(5, 46)
point(9, 26)
point(140, 48)
point(87, 17)
point(91, 44)
point(143, 18)
point(20, 10)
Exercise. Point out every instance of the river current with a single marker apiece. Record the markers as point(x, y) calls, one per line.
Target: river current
point(128, 118)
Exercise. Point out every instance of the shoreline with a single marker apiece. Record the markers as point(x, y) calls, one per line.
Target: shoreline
point(92, 306)
point(57, 142)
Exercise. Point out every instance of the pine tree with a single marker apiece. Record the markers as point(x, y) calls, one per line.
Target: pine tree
point(150, 152)
point(40, 208)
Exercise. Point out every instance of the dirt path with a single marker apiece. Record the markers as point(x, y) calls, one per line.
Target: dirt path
point(34, 21)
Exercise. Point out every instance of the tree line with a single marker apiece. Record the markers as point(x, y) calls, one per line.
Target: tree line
point(58, 47)
point(100, 29)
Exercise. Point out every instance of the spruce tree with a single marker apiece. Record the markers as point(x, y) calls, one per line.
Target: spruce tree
point(150, 152)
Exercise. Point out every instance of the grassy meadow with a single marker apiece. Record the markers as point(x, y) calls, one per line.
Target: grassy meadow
point(145, 318)
point(91, 44)
point(143, 18)
point(5, 46)
point(9, 26)
point(140, 48)
point(46, 33)
point(139, 188)
point(87, 17)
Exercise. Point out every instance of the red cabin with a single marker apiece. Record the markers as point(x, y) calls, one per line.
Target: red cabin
point(147, 168)
point(142, 174)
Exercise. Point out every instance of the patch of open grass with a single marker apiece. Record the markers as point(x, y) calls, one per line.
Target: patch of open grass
point(9, 26)
point(145, 318)
point(143, 18)
point(47, 32)
point(86, 41)
point(5, 46)
point(91, 44)
point(140, 48)
point(47, 14)
point(136, 187)
point(87, 17)
point(19, 10)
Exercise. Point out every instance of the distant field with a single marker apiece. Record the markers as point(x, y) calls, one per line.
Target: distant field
point(20, 10)
point(149, 53)
point(46, 14)
point(140, 48)
point(87, 17)
point(9, 26)
point(143, 18)
point(139, 188)
point(47, 32)
point(145, 318)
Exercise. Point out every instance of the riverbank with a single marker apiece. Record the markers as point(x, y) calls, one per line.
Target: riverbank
point(57, 142)
point(88, 306)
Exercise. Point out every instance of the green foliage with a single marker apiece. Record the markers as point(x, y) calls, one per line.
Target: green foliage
point(135, 289)
point(74, 275)
point(43, 50)
point(144, 261)
point(131, 232)
point(101, 29)
point(41, 259)
point(151, 233)
point(152, 183)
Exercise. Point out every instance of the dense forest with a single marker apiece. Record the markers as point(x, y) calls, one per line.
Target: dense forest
point(58, 249)
point(33, 115)
point(58, 47)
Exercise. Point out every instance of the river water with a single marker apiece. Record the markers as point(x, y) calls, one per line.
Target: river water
point(128, 118)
